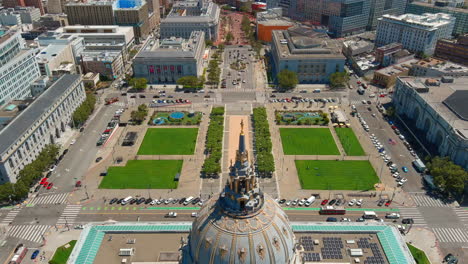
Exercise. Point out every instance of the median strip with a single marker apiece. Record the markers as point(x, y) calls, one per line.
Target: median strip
point(347, 209)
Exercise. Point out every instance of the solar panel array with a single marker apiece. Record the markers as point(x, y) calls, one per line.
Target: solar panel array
point(332, 248)
point(311, 256)
point(377, 258)
point(307, 243)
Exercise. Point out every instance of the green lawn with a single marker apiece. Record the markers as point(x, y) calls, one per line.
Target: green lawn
point(169, 141)
point(61, 254)
point(349, 141)
point(308, 141)
point(336, 175)
point(418, 255)
point(143, 174)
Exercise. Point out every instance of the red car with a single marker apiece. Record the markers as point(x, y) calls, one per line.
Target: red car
point(387, 204)
point(42, 181)
point(49, 186)
point(358, 82)
point(382, 95)
point(45, 184)
point(394, 127)
point(324, 202)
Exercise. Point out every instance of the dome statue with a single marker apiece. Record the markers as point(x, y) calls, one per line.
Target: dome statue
point(241, 224)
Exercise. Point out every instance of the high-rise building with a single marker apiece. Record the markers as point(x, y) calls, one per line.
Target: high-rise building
point(461, 14)
point(24, 3)
point(18, 67)
point(416, 33)
point(56, 6)
point(378, 8)
point(26, 15)
point(453, 50)
point(132, 13)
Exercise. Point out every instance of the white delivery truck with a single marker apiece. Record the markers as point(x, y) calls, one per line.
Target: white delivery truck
point(310, 201)
point(188, 200)
point(369, 215)
point(126, 200)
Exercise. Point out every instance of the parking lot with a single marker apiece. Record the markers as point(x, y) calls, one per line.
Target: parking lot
point(241, 78)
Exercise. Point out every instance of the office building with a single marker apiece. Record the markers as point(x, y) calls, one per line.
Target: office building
point(107, 63)
point(132, 13)
point(312, 55)
point(386, 77)
point(18, 67)
point(24, 3)
point(51, 22)
point(378, 8)
point(461, 14)
point(437, 110)
point(432, 67)
point(392, 53)
point(56, 6)
point(19, 15)
point(53, 56)
point(170, 59)
point(33, 125)
point(455, 50)
point(356, 47)
point(189, 16)
point(418, 34)
point(270, 20)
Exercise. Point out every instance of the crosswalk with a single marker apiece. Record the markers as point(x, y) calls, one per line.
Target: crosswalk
point(32, 233)
point(414, 213)
point(58, 198)
point(11, 216)
point(462, 214)
point(69, 214)
point(451, 235)
point(427, 201)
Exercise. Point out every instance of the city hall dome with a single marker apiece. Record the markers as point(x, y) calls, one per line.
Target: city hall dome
point(241, 224)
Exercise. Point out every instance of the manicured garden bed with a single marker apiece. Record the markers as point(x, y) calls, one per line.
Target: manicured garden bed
point(169, 141)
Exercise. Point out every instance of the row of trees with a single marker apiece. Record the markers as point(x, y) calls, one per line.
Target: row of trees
point(448, 176)
point(250, 34)
point(263, 146)
point(82, 113)
point(140, 114)
point(190, 82)
point(214, 71)
point(29, 175)
point(214, 142)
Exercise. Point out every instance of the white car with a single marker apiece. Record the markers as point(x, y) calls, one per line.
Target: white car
point(171, 215)
point(194, 214)
point(53, 168)
point(359, 202)
point(352, 202)
point(73, 142)
point(401, 137)
point(155, 201)
point(168, 201)
point(404, 180)
point(364, 102)
point(288, 203)
point(345, 220)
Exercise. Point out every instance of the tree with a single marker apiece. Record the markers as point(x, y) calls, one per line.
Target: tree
point(448, 176)
point(338, 79)
point(287, 79)
point(208, 43)
point(390, 111)
point(244, 9)
point(138, 83)
point(190, 82)
point(229, 36)
point(140, 114)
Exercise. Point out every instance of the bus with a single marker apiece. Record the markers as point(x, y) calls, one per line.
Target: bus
point(331, 210)
point(19, 255)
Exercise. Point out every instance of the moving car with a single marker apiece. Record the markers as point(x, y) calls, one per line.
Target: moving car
point(392, 216)
point(381, 202)
point(387, 204)
point(332, 219)
point(34, 254)
point(171, 215)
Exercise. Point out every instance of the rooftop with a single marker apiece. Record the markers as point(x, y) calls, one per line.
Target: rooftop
point(441, 98)
point(106, 56)
point(305, 42)
point(397, 68)
point(173, 47)
point(94, 241)
point(454, 9)
point(34, 111)
point(50, 52)
point(427, 20)
point(192, 13)
point(442, 65)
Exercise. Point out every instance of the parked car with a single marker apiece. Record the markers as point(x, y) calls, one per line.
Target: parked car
point(388, 203)
point(352, 202)
point(98, 159)
point(34, 254)
point(404, 169)
point(141, 200)
point(359, 202)
point(171, 215)
point(324, 202)
point(50, 186)
point(381, 202)
point(149, 200)
point(332, 219)
point(332, 202)
point(113, 201)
